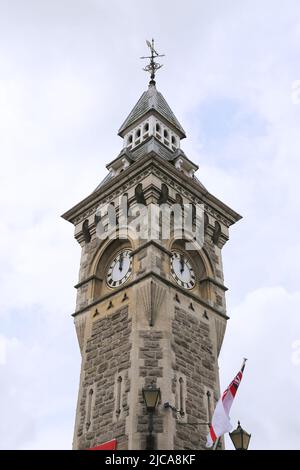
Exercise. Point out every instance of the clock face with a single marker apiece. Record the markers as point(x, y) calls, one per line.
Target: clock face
point(119, 269)
point(182, 270)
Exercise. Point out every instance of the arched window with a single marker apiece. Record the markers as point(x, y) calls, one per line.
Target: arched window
point(158, 130)
point(208, 406)
point(89, 408)
point(179, 199)
point(146, 127)
point(181, 396)
point(163, 197)
point(206, 221)
point(118, 398)
point(174, 142)
point(217, 232)
point(86, 231)
point(139, 194)
point(194, 220)
point(166, 137)
point(129, 139)
point(138, 134)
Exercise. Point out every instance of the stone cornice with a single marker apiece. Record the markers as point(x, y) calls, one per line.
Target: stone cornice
point(163, 169)
point(85, 281)
point(213, 281)
point(142, 278)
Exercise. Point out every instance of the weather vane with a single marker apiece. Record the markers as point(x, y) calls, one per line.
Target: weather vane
point(153, 66)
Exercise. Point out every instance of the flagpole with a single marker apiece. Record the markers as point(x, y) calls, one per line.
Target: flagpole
point(216, 444)
point(244, 363)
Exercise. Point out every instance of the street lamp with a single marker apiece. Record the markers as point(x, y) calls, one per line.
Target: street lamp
point(240, 438)
point(151, 396)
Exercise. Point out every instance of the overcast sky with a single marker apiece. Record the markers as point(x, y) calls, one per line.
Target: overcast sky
point(69, 75)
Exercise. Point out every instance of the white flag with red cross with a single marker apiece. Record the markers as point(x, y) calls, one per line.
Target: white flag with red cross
point(220, 423)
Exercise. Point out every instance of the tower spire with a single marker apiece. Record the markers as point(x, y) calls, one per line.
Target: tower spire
point(153, 66)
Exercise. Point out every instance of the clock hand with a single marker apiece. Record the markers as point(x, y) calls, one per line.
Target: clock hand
point(181, 264)
point(121, 259)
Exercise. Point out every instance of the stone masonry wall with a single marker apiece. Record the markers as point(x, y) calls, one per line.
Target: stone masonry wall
point(107, 354)
point(194, 358)
point(150, 355)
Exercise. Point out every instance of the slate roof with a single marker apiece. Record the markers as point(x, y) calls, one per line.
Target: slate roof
point(151, 100)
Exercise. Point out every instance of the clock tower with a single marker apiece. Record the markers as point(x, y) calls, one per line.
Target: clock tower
point(150, 311)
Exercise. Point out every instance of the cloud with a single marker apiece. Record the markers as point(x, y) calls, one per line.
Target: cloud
point(38, 381)
point(6, 346)
point(264, 327)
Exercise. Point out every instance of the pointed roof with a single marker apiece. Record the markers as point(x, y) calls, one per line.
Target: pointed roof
point(151, 100)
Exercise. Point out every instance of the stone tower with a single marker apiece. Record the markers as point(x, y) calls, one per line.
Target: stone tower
point(149, 311)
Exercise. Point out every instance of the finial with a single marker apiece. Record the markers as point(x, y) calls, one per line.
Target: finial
point(153, 66)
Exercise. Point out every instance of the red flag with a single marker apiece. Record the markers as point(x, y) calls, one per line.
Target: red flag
point(109, 445)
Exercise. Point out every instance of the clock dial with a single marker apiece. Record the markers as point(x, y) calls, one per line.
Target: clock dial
point(120, 269)
point(182, 270)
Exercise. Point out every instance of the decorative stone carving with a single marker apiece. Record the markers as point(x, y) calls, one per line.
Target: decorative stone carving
point(166, 179)
point(152, 295)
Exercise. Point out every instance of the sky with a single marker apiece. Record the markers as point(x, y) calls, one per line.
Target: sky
point(69, 74)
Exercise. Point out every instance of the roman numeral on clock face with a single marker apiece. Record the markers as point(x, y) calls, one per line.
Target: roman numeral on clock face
point(182, 270)
point(119, 269)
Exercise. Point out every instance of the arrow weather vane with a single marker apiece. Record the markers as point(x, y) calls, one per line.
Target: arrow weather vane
point(153, 66)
